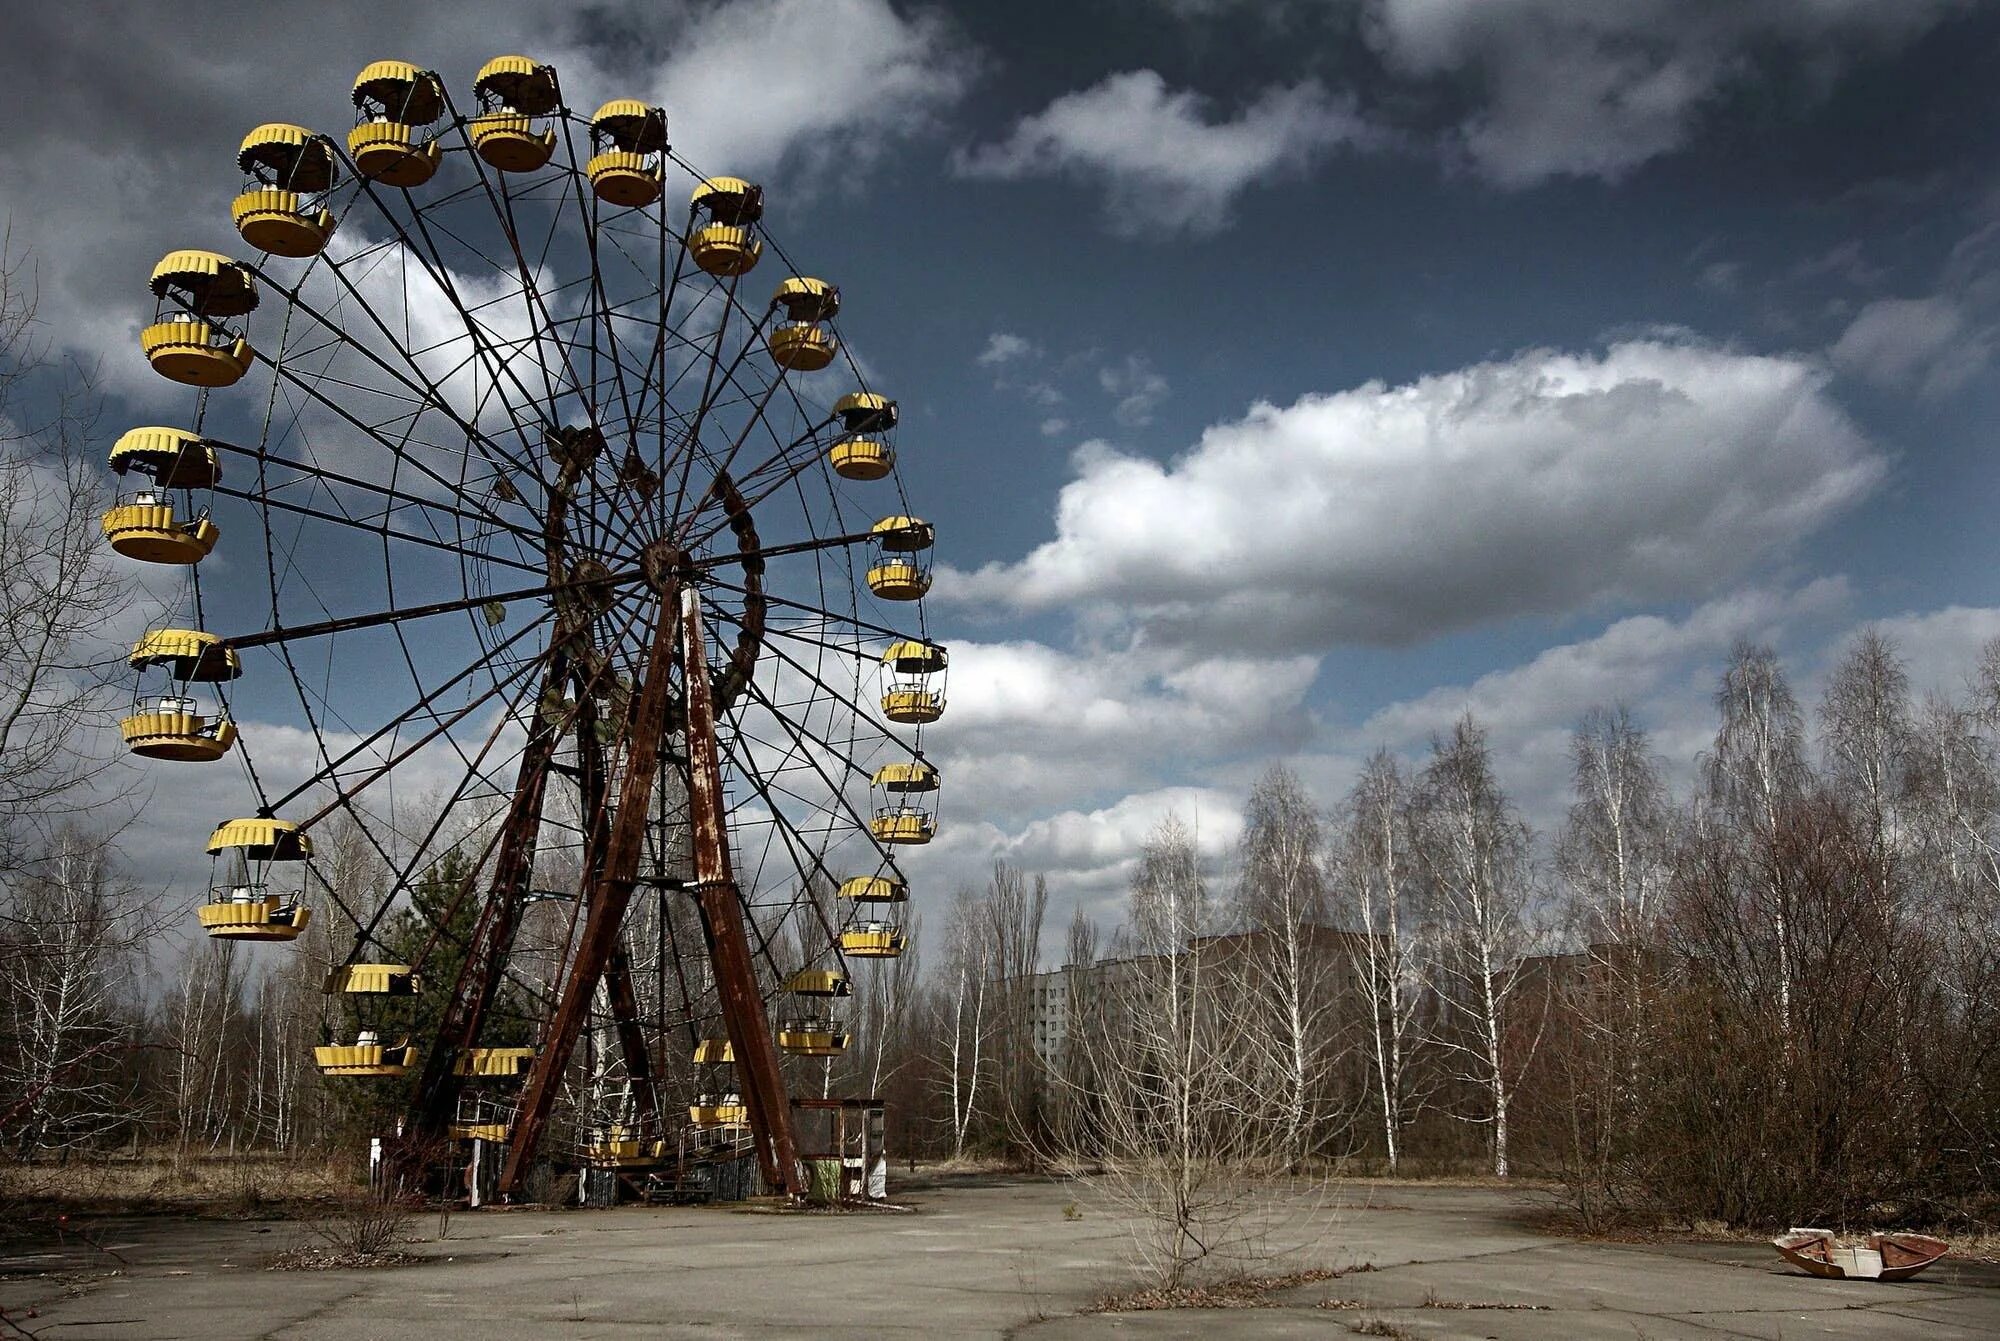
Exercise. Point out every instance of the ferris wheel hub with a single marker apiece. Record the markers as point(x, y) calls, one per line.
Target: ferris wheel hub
point(665, 564)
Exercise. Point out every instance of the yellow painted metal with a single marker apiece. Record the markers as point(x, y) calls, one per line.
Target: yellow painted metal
point(295, 158)
point(185, 737)
point(818, 982)
point(631, 125)
point(498, 1132)
point(806, 299)
point(914, 658)
point(624, 178)
point(520, 82)
point(390, 152)
point(509, 141)
point(714, 1052)
point(174, 457)
point(219, 286)
point(912, 707)
point(262, 839)
point(273, 220)
point(192, 351)
point(407, 93)
point(802, 348)
point(878, 941)
point(730, 200)
point(373, 980)
point(263, 920)
point(861, 459)
point(719, 1115)
point(875, 889)
point(812, 1042)
point(899, 580)
point(904, 535)
point(365, 1059)
point(619, 1146)
point(149, 533)
point(494, 1063)
point(187, 654)
point(725, 250)
point(914, 776)
point(865, 412)
point(908, 827)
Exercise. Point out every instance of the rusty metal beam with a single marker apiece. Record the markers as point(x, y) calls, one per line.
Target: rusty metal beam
point(436, 1096)
point(743, 1016)
point(610, 895)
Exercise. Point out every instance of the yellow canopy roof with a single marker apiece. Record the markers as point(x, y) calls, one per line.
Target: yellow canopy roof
point(304, 160)
point(263, 839)
point(807, 299)
point(914, 776)
point(221, 286)
point(817, 982)
point(193, 655)
point(411, 93)
point(632, 125)
point(178, 459)
point(875, 889)
point(904, 534)
point(914, 658)
point(373, 980)
point(523, 83)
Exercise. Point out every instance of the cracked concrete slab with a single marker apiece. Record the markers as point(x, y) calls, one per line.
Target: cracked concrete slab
point(982, 1258)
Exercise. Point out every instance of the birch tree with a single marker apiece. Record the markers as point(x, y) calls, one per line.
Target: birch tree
point(1289, 962)
point(1475, 855)
point(1378, 884)
point(962, 1035)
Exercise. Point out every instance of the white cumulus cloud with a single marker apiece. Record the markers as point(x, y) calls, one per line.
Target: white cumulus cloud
point(1545, 483)
point(1164, 160)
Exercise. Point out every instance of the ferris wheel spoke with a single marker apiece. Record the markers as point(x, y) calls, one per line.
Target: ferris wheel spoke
point(806, 860)
point(351, 623)
point(832, 616)
point(421, 389)
point(422, 708)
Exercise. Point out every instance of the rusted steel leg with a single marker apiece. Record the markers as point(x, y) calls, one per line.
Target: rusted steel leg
point(743, 1017)
point(610, 894)
point(435, 1099)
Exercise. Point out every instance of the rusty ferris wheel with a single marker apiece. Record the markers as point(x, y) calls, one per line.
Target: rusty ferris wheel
point(530, 497)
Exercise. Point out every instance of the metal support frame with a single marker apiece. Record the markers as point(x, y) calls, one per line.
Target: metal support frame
point(610, 895)
point(743, 1016)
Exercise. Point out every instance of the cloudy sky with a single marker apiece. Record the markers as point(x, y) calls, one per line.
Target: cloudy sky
point(1284, 376)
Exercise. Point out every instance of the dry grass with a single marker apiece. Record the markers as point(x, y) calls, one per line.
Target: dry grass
point(212, 1185)
point(1235, 1292)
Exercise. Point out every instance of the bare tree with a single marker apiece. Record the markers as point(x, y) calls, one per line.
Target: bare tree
point(1289, 962)
point(1612, 854)
point(1756, 768)
point(963, 1033)
point(1177, 1142)
point(72, 944)
point(1475, 855)
point(1865, 732)
point(1378, 884)
point(1016, 908)
point(59, 591)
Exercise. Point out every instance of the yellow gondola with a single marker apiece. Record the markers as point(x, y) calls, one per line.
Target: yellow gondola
point(802, 342)
point(722, 237)
point(909, 826)
point(173, 725)
point(912, 696)
point(494, 1063)
point(241, 905)
point(629, 138)
point(289, 168)
point(392, 100)
point(513, 93)
point(186, 342)
point(714, 1052)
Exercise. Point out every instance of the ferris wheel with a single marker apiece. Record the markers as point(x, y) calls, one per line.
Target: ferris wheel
point(576, 553)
